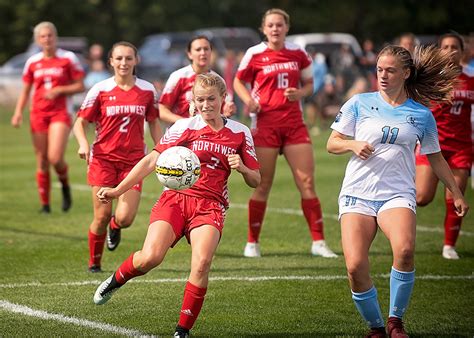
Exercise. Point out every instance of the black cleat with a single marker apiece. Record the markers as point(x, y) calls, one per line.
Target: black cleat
point(67, 199)
point(113, 238)
point(106, 289)
point(45, 209)
point(95, 269)
point(181, 332)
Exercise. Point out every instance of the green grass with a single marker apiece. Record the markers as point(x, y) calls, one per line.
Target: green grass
point(52, 252)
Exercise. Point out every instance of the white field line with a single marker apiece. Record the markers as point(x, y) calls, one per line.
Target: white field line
point(286, 211)
point(27, 311)
point(322, 278)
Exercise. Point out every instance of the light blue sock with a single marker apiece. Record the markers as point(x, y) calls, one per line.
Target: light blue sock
point(401, 287)
point(368, 306)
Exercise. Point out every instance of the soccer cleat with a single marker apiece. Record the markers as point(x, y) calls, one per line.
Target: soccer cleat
point(449, 252)
point(45, 209)
point(395, 328)
point(320, 248)
point(376, 332)
point(67, 199)
point(181, 332)
point(113, 238)
point(105, 290)
point(95, 269)
point(252, 250)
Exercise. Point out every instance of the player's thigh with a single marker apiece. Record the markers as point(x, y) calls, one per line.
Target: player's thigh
point(204, 242)
point(40, 143)
point(58, 134)
point(267, 158)
point(127, 206)
point(399, 226)
point(159, 238)
point(426, 184)
point(357, 233)
point(300, 159)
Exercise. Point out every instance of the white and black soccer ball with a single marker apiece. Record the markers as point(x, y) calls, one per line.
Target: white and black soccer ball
point(178, 168)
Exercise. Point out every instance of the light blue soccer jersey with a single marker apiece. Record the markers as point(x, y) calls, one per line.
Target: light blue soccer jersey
point(393, 132)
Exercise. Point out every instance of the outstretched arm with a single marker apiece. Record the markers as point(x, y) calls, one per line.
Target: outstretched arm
point(444, 173)
point(138, 173)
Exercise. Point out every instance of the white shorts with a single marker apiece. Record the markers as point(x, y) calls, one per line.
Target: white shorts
point(373, 208)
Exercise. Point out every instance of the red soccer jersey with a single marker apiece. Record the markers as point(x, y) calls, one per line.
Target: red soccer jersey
point(177, 93)
point(119, 116)
point(270, 72)
point(46, 73)
point(454, 121)
point(212, 149)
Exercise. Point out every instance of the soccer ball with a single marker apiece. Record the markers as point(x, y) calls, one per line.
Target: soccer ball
point(178, 168)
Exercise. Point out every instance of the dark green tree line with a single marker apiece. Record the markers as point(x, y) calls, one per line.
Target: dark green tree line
point(107, 21)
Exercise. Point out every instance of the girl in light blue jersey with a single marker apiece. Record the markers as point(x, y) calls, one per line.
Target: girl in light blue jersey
point(381, 129)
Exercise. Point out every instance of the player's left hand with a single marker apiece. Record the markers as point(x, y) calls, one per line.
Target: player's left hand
point(52, 94)
point(106, 195)
point(292, 94)
point(235, 162)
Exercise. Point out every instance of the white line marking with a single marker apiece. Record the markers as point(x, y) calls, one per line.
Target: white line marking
point(234, 278)
point(24, 310)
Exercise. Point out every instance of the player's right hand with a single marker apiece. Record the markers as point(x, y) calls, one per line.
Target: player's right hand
point(362, 149)
point(17, 120)
point(83, 153)
point(105, 195)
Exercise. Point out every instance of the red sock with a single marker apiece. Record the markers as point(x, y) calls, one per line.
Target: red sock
point(452, 224)
point(314, 217)
point(43, 182)
point(63, 176)
point(192, 304)
point(256, 214)
point(96, 248)
point(127, 271)
point(113, 224)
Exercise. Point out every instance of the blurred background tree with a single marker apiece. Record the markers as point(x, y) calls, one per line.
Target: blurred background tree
point(107, 21)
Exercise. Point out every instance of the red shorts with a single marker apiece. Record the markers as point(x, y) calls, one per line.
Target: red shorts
point(461, 159)
point(39, 123)
point(185, 213)
point(279, 137)
point(103, 173)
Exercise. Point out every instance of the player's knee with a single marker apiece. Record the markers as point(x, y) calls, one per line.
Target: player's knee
point(149, 260)
point(202, 265)
point(404, 256)
point(124, 222)
point(423, 200)
point(103, 219)
point(356, 270)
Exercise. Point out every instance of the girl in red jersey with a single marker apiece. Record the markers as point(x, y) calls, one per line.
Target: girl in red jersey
point(119, 107)
point(274, 69)
point(454, 129)
point(55, 74)
point(198, 212)
point(176, 97)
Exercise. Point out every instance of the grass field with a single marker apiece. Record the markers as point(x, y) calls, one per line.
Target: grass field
point(45, 289)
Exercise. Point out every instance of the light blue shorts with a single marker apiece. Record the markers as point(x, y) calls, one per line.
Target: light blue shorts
point(358, 205)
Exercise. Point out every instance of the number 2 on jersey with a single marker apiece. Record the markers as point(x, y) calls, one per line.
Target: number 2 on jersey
point(386, 131)
point(123, 126)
